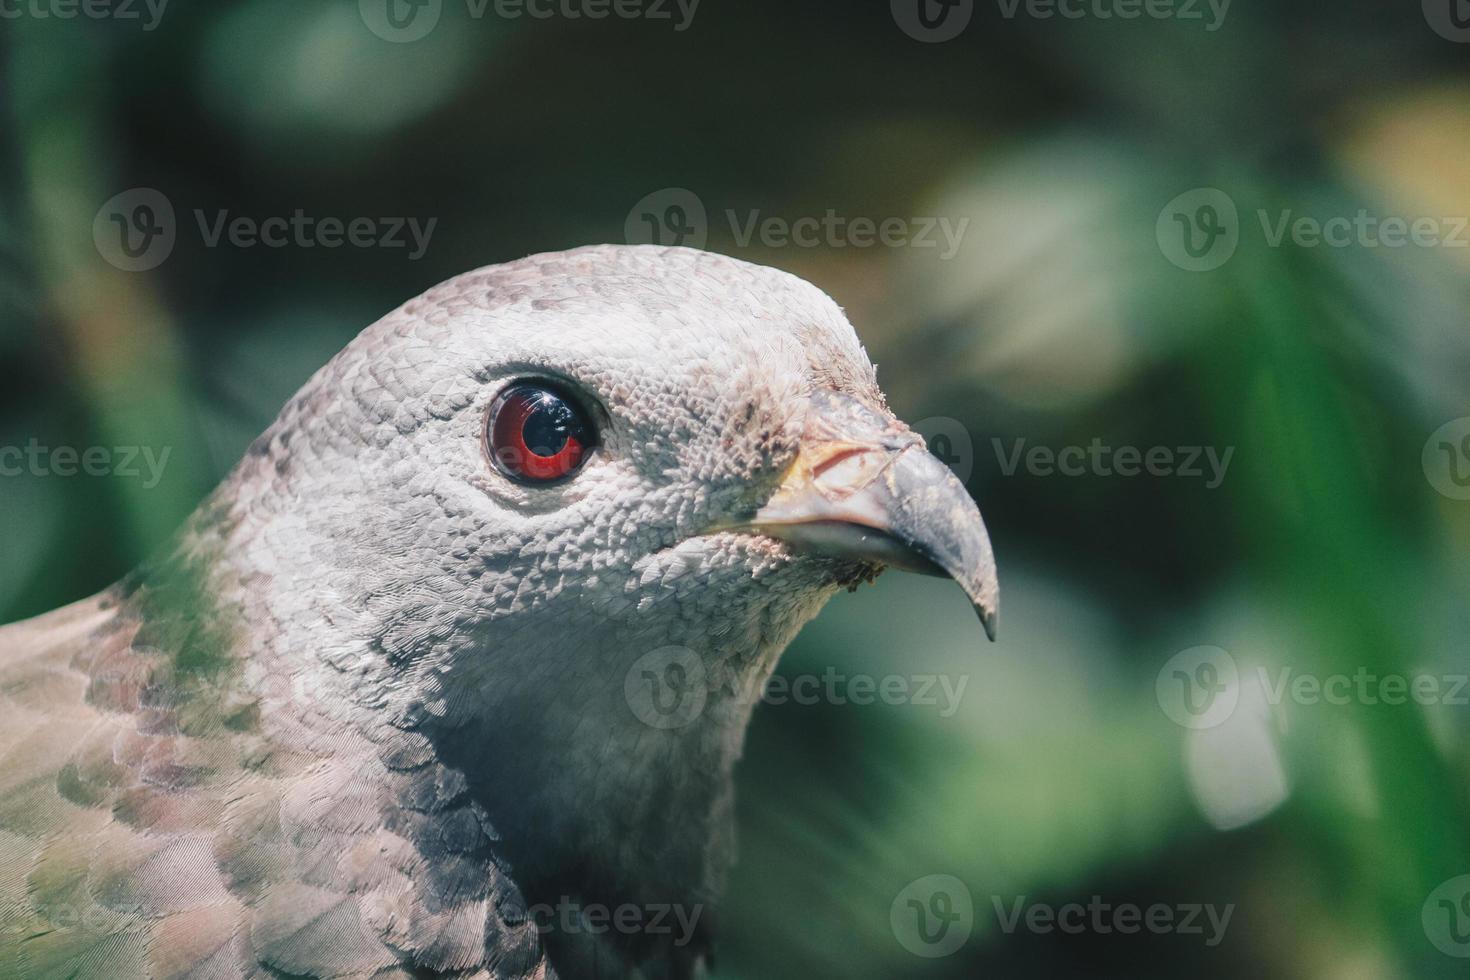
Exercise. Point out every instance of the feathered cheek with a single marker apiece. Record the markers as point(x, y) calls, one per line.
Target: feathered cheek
point(762, 440)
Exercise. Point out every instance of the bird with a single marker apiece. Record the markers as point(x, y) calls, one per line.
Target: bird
point(464, 649)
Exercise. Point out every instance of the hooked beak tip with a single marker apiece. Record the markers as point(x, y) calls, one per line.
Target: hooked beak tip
point(990, 620)
point(859, 489)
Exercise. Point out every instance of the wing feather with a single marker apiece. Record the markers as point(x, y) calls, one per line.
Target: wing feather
point(145, 834)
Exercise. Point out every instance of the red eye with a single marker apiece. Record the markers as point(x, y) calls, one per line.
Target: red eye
point(537, 434)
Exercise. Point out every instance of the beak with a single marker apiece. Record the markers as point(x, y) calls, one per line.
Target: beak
point(864, 486)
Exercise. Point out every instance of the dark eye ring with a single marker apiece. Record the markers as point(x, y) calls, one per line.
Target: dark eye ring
point(538, 434)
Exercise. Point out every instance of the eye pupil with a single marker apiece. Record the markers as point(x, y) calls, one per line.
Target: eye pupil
point(537, 434)
point(548, 426)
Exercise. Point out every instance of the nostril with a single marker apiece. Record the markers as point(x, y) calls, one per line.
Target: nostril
point(838, 458)
point(850, 472)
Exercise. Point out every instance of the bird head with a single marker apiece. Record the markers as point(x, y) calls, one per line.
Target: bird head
point(563, 515)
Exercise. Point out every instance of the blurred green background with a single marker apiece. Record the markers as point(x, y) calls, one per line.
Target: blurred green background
point(1063, 317)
